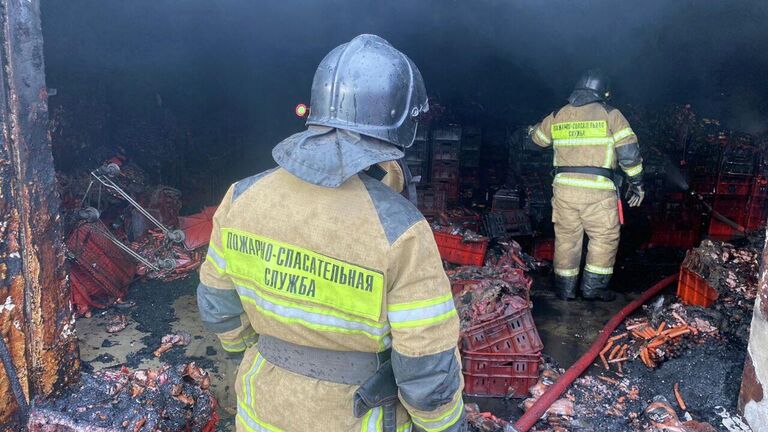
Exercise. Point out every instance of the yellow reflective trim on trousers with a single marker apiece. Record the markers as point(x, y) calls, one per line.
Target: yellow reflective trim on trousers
point(372, 420)
point(241, 343)
point(579, 130)
point(598, 270)
point(437, 424)
point(567, 272)
point(604, 184)
point(624, 133)
point(635, 170)
point(251, 422)
point(540, 135)
point(406, 427)
point(302, 274)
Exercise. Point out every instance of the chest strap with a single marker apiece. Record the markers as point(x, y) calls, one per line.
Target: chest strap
point(603, 172)
point(342, 367)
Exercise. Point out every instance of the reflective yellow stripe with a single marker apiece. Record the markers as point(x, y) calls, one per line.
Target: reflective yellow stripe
point(372, 421)
point(252, 422)
point(313, 318)
point(598, 270)
point(421, 313)
point(437, 424)
point(406, 427)
point(635, 170)
point(603, 184)
point(567, 272)
point(241, 343)
point(215, 265)
point(576, 142)
point(608, 162)
point(540, 135)
point(294, 272)
point(620, 135)
point(258, 363)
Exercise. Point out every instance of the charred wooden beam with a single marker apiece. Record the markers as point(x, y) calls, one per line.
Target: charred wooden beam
point(35, 316)
point(754, 383)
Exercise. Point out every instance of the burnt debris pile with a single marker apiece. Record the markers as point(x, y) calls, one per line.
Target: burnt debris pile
point(164, 399)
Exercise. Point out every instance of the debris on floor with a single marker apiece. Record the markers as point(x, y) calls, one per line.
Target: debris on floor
point(117, 323)
point(171, 340)
point(164, 399)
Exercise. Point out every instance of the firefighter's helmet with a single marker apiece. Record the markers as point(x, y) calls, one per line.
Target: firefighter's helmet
point(596, 81)
point(369, 87)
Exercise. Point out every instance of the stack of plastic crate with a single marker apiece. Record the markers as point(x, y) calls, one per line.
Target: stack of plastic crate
point(501, 356)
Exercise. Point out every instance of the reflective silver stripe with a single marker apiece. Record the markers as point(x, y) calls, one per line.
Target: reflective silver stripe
point(441, 423)
point(250, 420)
point(567, 272)
point(373, 420)
point(620, 135)
point(422, 313)
point(316, 319)
point(249, 377)
point(633, 171)
point(598, 270)
point(217, 258)
point(583, 142)
point(542, 137)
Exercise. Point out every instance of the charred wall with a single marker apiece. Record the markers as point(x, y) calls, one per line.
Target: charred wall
point(754, 386)
point(35, 317)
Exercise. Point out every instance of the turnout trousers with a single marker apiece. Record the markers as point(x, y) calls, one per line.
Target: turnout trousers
point(576, 211)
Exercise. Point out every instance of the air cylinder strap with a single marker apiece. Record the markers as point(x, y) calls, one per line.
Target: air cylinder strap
point(603, 172)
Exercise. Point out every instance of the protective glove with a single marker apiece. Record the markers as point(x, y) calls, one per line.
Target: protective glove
point(635, 194)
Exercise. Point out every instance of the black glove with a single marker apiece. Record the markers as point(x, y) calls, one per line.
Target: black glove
point(635, 194)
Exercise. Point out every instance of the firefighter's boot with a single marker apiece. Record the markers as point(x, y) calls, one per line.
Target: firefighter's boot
point(565, 287)
point(595, 287)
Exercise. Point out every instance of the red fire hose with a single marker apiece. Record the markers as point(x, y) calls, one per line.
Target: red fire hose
point(538, 409)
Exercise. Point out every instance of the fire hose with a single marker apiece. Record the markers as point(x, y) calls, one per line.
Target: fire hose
point(554, 392)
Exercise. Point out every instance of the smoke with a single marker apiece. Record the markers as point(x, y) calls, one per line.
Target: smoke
point(234, 69)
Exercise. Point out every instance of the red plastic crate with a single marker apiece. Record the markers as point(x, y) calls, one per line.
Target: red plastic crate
point(446, 150)
point(760, 187)
point(683, 239)
point(734, 185)
point(100, 271)
point(732, 207)
point(544, 249)
point(704, 185)
point(512, 333)
point(692, 289)
point(499, 374)
point(469, 219)
point(445, 171)
point(757, 213)
point(454, 250)
point(451, 188)
point(430, 202)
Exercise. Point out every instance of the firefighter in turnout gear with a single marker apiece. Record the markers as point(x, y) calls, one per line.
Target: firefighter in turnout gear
point(336, 272)
point(590, 140)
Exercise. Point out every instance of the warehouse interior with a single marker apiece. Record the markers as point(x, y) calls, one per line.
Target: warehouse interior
point(141, 114)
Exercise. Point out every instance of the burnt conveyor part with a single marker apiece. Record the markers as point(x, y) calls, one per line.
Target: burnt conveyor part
point(185, 98)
